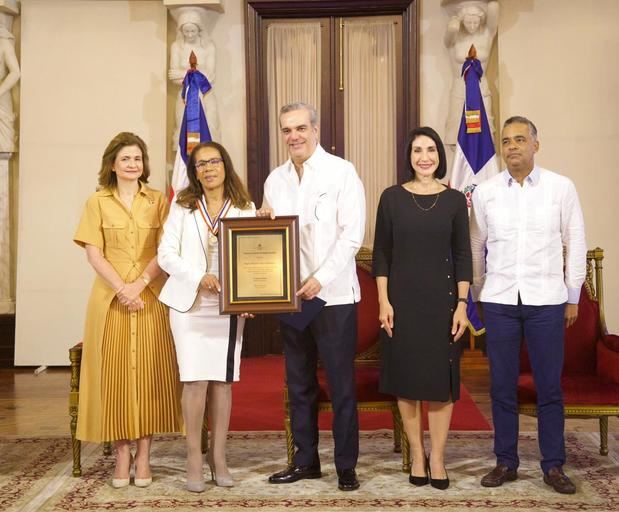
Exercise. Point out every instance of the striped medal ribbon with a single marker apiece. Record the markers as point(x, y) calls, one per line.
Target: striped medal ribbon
point(213, 224)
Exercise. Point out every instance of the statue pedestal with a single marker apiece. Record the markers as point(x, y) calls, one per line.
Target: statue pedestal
point(215, 5)
point(7, 303)
point(9, 6)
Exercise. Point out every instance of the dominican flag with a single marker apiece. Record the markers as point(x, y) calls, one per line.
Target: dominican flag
point(475, 158)
point(194, 128)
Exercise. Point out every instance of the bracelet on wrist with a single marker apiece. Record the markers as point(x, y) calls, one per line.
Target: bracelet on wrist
point(460, 299)
point(144, 277)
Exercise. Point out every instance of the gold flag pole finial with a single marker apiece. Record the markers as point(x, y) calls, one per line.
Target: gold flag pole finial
point(193, 60)
point(472, 52)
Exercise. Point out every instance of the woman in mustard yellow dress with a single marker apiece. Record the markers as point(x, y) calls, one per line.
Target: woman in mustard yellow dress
point(129, 387)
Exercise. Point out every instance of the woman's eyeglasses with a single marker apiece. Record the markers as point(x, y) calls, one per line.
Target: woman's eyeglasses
point(201, 165)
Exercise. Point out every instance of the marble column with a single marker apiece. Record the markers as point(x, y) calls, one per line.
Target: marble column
point(7, 303)
point(9, 75)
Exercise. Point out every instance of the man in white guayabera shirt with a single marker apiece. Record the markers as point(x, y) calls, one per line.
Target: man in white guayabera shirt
point(524, 217)
point(327, 195)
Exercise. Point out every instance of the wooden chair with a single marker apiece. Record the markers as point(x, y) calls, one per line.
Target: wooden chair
point(75, 357)
point(367, 369)
point(590, 378)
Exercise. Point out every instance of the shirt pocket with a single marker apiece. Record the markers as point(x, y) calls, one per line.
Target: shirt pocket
point(148, 231)
point(324, 207)
point(498, 221)
point(114, 232)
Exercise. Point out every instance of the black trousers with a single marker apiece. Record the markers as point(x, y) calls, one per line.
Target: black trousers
point(332, 335)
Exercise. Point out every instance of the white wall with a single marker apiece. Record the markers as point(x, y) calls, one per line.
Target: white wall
point(434, 66)
point(558, 67)
point(90, 69)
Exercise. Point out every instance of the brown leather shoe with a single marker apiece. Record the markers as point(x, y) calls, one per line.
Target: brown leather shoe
point(498, 476)
point(559, 481)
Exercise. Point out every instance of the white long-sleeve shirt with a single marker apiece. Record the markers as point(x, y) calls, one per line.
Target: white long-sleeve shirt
point(524, 229)
point(330, 203)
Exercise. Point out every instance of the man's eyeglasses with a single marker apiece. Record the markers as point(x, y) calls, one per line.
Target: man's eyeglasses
point(201, 165)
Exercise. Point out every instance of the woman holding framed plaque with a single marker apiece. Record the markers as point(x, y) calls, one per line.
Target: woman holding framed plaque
point(423, 267)
point(208, 345)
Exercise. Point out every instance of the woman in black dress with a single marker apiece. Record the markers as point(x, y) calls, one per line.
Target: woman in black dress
point(422, 265)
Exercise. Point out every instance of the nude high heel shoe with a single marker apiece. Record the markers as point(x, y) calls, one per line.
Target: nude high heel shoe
point(142, 482)
point(119, 483)
point(196, 485)
point(221, 481)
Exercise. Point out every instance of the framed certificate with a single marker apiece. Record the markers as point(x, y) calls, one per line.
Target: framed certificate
point(259, 265)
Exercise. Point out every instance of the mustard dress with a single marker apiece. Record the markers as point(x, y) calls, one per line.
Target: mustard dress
point(129, 385)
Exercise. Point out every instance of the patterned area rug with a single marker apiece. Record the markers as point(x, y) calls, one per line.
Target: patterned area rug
point(35, 475)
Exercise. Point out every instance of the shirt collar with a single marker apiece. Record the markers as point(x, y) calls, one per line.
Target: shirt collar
point(311, 162)
point(143, 190)
point(532, 179)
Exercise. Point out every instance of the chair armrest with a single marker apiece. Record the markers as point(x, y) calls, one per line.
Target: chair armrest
point(611, 341)
point(608, 360)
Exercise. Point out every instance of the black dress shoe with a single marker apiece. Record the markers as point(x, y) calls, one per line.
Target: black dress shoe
point(420, 480)
point(294, 473)
point(438, 483)
point(347, 479)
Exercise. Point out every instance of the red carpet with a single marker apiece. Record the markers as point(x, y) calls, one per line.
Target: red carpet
point(258, 402)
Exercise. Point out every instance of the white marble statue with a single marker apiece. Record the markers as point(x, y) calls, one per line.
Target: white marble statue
point(473, 22)
point(192, 36)
point(9, 76)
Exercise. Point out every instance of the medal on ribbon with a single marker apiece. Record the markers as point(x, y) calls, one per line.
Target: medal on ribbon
point(213, 223)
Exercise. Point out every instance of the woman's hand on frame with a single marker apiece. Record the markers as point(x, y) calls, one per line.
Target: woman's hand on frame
point(265, 212)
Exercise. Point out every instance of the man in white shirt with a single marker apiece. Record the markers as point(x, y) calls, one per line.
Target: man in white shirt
point(524, 217)
point(327, 195)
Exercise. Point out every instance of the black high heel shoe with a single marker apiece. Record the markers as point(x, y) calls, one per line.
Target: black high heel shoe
point(420, 480)
point(438, 483)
